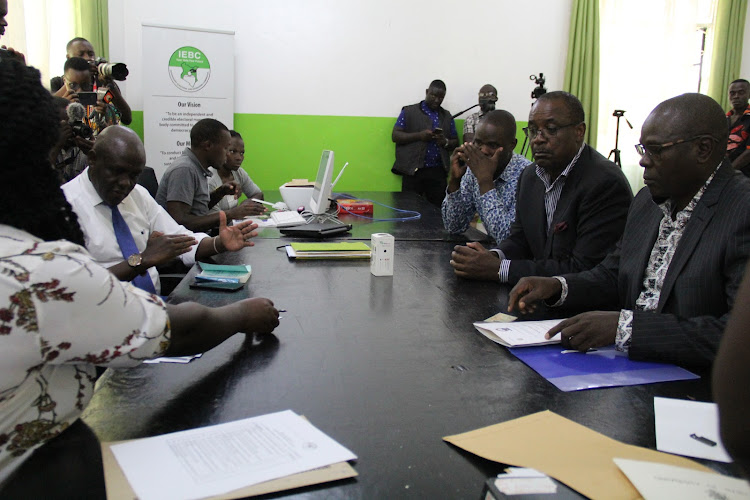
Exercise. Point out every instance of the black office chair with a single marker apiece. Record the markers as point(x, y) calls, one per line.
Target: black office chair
point(148, 180)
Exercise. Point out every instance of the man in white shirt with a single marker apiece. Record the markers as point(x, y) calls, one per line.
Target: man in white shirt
point(107, 190)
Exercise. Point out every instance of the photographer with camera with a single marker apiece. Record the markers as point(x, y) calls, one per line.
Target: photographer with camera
point(69, 154)
point(103, 74)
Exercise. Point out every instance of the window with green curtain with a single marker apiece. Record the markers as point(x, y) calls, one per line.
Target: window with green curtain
point(582, 66)
point(727, 52)
point(92, 23)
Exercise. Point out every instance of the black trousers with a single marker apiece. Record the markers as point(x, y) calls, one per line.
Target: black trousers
point(429, 183)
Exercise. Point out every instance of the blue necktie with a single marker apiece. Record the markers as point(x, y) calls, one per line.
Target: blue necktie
point(128, 248)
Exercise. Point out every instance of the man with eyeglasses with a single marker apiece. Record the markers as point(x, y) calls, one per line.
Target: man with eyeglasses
point(666, 292)
point(483, 178)
point(738, 121)
point(571, 206)
point(487, 100)
point(77, 78)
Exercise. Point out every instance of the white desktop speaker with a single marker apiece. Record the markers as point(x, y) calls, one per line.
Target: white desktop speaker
point(381, 262)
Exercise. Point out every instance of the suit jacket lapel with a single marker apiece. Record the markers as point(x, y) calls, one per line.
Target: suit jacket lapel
point(572, 183)
point(699, 219)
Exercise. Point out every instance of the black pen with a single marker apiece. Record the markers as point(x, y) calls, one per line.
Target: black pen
point(703, 440)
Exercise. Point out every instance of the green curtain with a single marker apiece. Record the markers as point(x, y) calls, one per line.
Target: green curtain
point(92, 23)
point(582, 68)
point(727, 51)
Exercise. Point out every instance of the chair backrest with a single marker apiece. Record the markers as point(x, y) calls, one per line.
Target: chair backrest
point(148, 180)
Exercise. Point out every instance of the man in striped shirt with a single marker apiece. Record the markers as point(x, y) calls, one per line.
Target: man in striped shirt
point(571, 207)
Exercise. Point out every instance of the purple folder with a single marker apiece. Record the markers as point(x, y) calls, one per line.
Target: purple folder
point(605, 367)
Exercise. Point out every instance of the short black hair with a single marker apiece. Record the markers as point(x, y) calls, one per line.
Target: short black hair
point(504, 120)
point(76, 63)
point(74, 40)
point(437, 84)
point(206, 129)
point(572, 103)
point(740, 80)
point(234, 133)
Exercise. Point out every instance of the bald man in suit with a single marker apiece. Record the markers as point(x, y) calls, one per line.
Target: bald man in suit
point(666, 292)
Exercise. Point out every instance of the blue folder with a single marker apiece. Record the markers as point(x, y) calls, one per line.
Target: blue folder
point(605, 367)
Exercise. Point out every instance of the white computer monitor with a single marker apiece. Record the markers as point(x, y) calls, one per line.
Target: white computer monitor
point(322, 190)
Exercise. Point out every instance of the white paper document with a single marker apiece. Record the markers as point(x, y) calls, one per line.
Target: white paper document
point(689, 428)
point(222, 458)
point(658, 481)
point(519, 333)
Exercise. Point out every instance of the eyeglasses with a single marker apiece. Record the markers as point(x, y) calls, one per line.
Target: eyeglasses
point(655, 150)
point(547, 131)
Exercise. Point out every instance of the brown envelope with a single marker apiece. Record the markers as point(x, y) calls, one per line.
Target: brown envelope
point(567, 451)
point(118, 487)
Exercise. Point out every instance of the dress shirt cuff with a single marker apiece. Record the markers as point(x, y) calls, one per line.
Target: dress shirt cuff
point(624, 330)
point(563, 292)
point(502, 273)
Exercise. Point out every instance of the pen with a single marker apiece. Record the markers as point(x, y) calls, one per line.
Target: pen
point(703, 440)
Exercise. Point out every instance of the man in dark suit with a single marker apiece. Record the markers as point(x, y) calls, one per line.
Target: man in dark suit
point(571, 207)
point(673, 278)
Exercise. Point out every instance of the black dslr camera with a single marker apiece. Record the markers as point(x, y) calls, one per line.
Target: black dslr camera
point(115, 71)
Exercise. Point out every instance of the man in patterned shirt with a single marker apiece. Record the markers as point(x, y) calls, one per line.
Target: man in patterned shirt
point(738, 121)
point(487, 100)
point(483, 178)
point(673, 278)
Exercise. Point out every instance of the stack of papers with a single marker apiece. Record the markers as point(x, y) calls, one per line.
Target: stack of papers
point(518, 333)
point(340, 250)
point(232, 460)
point(223, 273)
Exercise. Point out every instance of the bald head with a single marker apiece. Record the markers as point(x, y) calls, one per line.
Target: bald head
point(691, 115)
point(116, 162)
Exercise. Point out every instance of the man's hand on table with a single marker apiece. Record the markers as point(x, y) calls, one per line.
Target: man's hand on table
point(473, 261)
point(531, 290)
point(587, 330)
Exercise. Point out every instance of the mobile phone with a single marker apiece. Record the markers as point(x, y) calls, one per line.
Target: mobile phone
point(438, 130)
point(216, 285)
point(87, 98)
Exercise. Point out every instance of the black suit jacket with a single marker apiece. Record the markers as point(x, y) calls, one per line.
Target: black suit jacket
point(700, 284)
point(588, 221)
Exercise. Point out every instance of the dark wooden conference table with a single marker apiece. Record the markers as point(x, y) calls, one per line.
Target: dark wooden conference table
point(386, 366)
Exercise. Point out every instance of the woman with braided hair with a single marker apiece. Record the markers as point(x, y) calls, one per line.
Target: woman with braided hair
point(60, 313)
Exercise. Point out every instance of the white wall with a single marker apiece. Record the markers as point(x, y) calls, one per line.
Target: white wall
point(360, 57)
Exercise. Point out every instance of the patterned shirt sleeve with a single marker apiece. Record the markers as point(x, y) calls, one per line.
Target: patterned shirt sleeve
point(624, 330)
point(401, 120)
point(458, 207)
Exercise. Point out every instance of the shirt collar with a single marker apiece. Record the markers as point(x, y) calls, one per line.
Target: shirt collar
point(666, 206)
point(544, 176)
point(423, 105)
point(88, 191)
point(746, 112)
point(189, 153)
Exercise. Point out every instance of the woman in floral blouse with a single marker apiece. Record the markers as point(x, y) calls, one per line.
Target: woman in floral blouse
point(60, 313)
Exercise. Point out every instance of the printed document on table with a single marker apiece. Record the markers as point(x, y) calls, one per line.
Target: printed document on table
point(213, 460)
point(656, 481)
point(519, 333)
point(676, 420)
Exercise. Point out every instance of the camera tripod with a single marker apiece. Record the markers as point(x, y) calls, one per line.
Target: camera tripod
point(535, 94)
point(619, 113)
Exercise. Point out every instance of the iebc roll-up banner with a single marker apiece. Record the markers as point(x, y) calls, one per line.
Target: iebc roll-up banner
point(188, 75)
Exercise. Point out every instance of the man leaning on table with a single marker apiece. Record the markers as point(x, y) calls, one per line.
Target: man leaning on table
point(571, 206)
point(483, 178)
point(124, 228)
point(669, 286)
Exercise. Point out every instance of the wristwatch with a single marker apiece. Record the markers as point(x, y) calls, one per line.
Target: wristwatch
point(135, 260)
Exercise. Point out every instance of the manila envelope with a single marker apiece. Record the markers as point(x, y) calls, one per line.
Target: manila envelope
point(118, 487)
point(569, 452)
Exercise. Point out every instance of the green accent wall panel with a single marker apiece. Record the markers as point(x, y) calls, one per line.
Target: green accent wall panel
point(279, 148)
